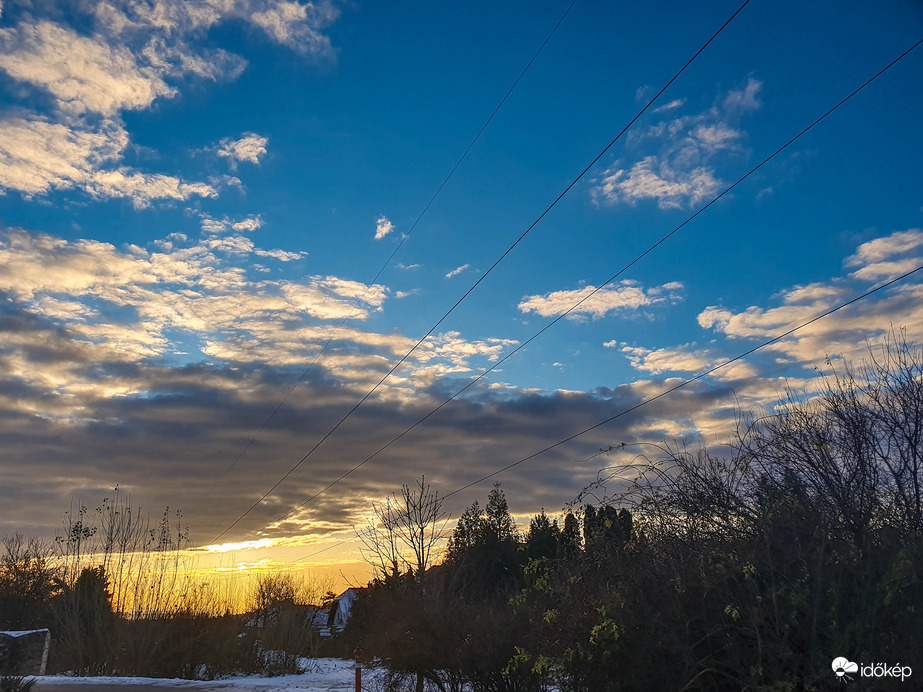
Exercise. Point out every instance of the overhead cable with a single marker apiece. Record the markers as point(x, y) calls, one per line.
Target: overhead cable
point(486, 273)
point(602, 285)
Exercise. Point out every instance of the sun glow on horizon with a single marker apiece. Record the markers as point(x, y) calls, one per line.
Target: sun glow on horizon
point(241, 545)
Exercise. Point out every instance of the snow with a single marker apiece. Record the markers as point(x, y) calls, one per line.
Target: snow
point(320, 675)
point(22, 633)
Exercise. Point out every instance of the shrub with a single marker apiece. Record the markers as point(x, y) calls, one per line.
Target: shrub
point(16, 683)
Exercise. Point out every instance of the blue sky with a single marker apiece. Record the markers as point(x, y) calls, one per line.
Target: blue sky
point(196, 194)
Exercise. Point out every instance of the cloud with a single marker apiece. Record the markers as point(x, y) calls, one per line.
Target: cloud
point(37, 156)
point(215, 226)
point(716, 136)
point(598, 303)
point(843, 333)
point(293, 24)
point(190, 423)
point(207, 299)
point(297, 25)
point(142, 188)
point(672, 105)
point(657, 361)
point(458, 270)
point(887, 257)
point(89, 396)
point(745, 99)
point(383, 227)
point(654, 179)
point(681, 172)
point(898, 243)
point(281, 255)
point(83, 74)
point(248, 148)
point(125, 56)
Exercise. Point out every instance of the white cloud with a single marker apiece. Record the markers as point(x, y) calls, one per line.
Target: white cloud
point(746, 99)
point(281, 255)
point(454, 352)
point(297, 25)
point(294, 24)
point(678, 359)
point(682, 170)
point(458, 270)
point(82, 73)
point(142, 188)
point(251, 223)
point(248, 148)
point(879, 249)
point(887, 257)
point(125, 58)
point(843, 332)
point(194, 290)
point(672, 105)
point(887, 270)
point(178, 59)
point(716, 136)
point(235, 245)
point(37, 156)
point(135, 306)
point(657, 180)
point(597, 303)
point(383, 227)
point(214, 226)
point(132, 305)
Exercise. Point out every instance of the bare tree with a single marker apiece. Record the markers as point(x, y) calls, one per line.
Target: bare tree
point(404, 531)
point(378, 539)
point(858, 446)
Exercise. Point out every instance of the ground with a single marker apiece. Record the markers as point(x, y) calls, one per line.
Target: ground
point(321, 675)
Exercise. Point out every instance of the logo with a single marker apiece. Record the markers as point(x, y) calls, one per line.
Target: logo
point(843, 667)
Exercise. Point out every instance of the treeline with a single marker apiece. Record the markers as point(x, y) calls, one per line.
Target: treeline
point(754, 569)
point(118, 596)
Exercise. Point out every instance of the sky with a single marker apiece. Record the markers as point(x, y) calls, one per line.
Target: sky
point(220, 229)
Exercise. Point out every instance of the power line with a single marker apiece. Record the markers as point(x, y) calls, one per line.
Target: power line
point(662, 394)
point(602, 285)
point(689, 381)
point(488, 272)
point(394, 252)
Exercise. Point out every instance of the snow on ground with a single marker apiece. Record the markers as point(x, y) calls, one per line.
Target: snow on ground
point(320, 675)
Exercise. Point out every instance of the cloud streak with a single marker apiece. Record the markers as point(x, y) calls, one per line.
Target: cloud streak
point(624, 296)
point(458, 270)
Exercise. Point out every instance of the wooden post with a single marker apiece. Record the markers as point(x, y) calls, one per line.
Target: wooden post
point(44, 665)
point(358, 655)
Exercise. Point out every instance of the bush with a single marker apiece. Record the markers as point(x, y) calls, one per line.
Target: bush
point(16, 683)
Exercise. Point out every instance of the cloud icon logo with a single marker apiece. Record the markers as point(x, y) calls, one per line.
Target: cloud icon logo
point(841, 666)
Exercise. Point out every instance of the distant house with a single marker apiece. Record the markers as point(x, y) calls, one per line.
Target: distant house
point(341, 609)
point(327, 620)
